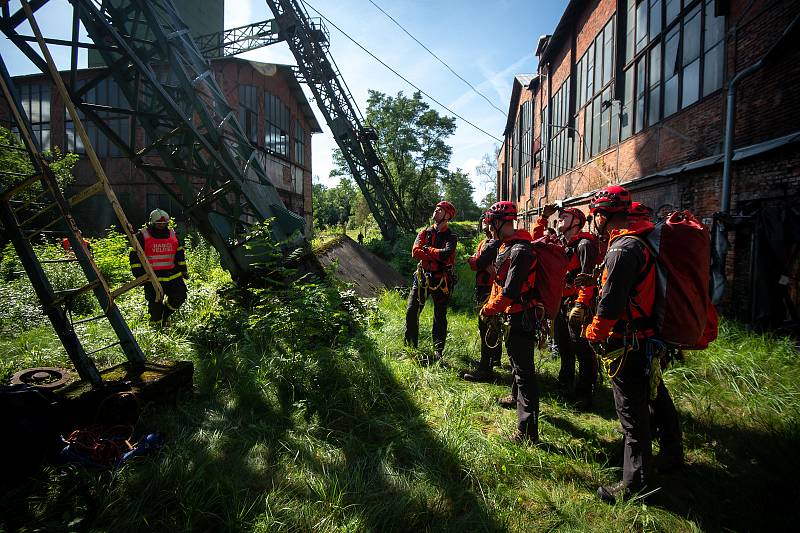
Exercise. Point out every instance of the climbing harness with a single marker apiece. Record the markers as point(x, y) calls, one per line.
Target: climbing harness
point(425, 284)
point(500, 326)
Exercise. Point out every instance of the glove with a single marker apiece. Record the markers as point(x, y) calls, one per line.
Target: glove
point(576, 316)
point(549, 210)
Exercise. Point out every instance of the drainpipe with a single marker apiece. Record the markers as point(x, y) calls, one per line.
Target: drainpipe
point(546, 148)
point(721, 242)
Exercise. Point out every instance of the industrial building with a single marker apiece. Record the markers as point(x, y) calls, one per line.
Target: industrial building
point(649, 94)
point(271, 106)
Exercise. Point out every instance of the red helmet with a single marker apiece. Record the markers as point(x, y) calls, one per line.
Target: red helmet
point(576, 214)
point(448, 208)
point(503, 211)
point(639, 211)
point(612, 199)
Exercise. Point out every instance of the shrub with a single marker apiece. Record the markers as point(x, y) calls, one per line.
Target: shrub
point(111, 257)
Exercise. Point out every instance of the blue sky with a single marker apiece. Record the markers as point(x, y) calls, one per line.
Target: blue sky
point(485, 42)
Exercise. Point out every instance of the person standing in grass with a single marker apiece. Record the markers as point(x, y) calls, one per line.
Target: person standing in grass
point(621, 333)
point(435, 249)
point(166, 255)
point(582, 252)
point(664, 421)
point(512, 299)
point(482, 262)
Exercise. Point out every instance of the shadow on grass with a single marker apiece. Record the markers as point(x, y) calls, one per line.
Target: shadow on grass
point(754, 487)
point(353, 447)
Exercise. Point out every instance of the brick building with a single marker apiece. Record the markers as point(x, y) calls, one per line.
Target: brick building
point(635, 93)
point(272, 110)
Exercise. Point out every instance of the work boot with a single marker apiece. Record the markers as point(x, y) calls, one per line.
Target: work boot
point(479, 375)
point(612, 493)
point(507, 402)
point(523, 438)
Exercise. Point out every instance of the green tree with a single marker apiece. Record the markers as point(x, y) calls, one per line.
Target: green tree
point(335, 205)
point(16, 162)
point(488, 200)
point(458, 190)
point(412, 141)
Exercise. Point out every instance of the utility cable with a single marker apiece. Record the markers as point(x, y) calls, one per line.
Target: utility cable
point(396, 73)
point(376, 58)
point(439, 59)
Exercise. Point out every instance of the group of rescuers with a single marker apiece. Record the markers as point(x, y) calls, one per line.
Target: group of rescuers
point(595, 317)
point(590, 321)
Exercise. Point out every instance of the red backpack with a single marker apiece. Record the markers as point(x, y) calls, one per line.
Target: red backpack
point(684, 315)
point(551, 271)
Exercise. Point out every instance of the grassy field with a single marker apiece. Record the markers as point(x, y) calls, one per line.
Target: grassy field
point(309, 414)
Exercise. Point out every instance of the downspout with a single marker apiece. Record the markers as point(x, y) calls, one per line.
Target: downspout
point(546, 148)
point(721, 242)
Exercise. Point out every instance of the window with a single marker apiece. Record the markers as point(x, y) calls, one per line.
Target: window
point(248, 112)
point(525, 126)
point(299, 143)
point(35, 101)
point(277, 125)
point(515, 158)
point(594, 73)
point(562, 156)
point(106, 93)
point(675, 54)
point(545, 137)
point(713, 49)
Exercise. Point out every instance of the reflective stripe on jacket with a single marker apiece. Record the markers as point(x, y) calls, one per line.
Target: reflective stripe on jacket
point(160, 253)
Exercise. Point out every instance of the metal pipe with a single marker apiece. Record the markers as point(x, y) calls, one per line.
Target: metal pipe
point(546, 148)
point(720, 239)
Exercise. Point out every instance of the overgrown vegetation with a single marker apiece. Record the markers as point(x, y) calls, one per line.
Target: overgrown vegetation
point(310, 415)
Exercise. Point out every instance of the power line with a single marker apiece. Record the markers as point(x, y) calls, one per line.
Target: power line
point(376, 58)
point(439, 59)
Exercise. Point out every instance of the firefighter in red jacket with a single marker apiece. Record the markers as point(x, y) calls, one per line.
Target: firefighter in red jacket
point(435, 248)
point(482, 262)
point(582, 253)
point(512, 298)
point(622, 333)
point(165, 254)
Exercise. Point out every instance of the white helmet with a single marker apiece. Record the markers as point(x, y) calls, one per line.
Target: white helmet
point(159, 215)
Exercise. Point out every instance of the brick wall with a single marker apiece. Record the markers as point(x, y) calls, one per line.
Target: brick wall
point(767, 107)
point(133, 186)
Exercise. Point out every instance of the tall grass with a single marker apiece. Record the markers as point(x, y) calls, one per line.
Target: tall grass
point(309, 414)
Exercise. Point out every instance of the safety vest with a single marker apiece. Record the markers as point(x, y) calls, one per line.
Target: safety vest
point(574, 267)
point(160, 252)
point(641, 301)
point(431, 237)
point(525, 299)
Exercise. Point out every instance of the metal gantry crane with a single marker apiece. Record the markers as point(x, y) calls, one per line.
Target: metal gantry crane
point(308, 40)
point(204, 159)
point(194, 147)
